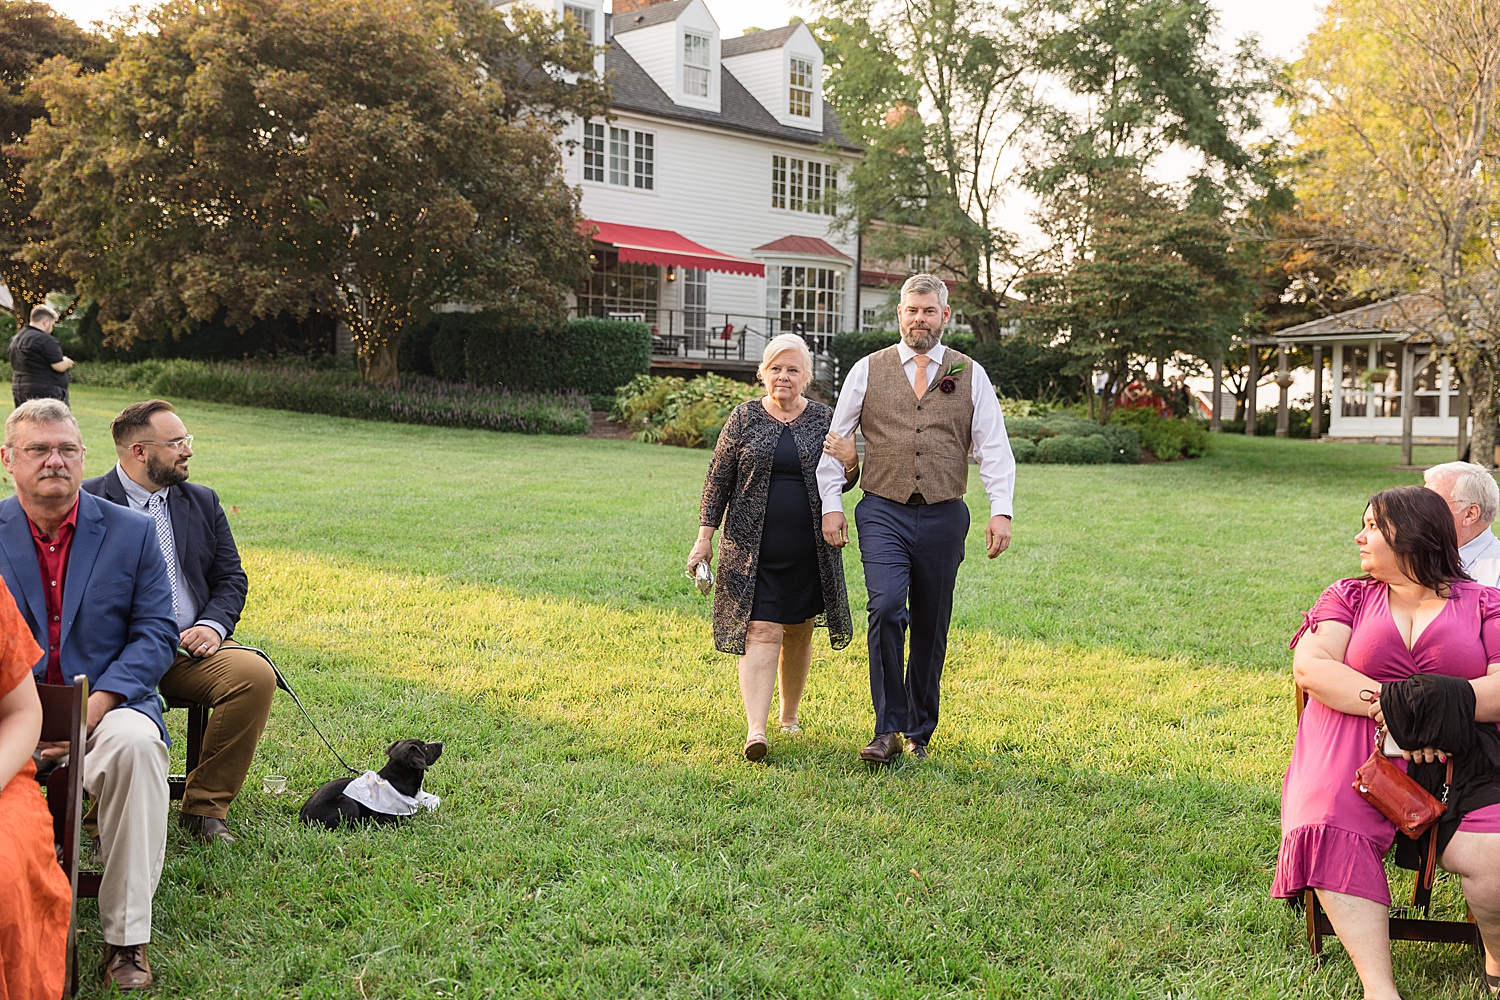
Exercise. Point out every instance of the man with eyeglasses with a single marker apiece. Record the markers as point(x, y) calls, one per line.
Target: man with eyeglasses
point(1474, 499)
point(90, 581)
point(208, 596)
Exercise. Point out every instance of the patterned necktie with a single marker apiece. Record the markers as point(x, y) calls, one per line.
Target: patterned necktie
point(158, 507)
point(922, 361)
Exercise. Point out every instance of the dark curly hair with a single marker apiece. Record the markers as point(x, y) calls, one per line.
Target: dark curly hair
point(1418, 526)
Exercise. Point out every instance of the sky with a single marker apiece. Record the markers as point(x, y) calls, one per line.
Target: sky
point(1280, 24)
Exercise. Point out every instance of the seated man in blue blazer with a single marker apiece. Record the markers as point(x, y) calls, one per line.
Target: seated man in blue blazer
point(90, 580)
point(208, 594)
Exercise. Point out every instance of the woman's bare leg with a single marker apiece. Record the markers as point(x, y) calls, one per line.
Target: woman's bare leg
point(796, 659)
point(1475, 857)
point(1363, 928)
point(758, 674)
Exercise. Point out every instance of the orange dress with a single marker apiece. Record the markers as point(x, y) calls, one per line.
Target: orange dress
point(35, 898)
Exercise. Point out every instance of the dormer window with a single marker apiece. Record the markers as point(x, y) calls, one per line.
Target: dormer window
point(583, 17)
point(799, 101)
point(695, 65)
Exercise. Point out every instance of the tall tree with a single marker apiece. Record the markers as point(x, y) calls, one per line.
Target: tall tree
point(1398, 102)
point(934, 89)
point(370, 158)
point(31, 33)
point(1159, 276)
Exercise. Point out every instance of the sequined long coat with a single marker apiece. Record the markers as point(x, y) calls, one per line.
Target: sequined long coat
point(737, 491)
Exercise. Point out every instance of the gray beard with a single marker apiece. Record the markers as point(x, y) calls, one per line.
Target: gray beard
point(921, 340)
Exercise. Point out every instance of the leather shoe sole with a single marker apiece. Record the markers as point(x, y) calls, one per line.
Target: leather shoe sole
point(208, 829)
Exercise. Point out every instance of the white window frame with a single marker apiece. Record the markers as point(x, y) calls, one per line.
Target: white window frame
point(696, 75)
point(632, 158)
point(799, 101)
point(595, 141)
point(582, 16)
point(804, 185)
point(778, 180)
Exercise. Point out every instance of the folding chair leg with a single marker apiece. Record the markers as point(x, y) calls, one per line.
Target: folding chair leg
point(1314, 932)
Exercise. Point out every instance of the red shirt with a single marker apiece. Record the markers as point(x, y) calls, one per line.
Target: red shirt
point(52, 560)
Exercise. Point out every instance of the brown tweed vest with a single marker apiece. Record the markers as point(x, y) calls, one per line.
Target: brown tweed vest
point(916, 446)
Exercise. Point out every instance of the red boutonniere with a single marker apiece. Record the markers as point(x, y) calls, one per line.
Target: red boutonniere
point(947, 383)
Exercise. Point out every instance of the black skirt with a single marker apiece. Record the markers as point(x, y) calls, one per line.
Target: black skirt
point(788, 585)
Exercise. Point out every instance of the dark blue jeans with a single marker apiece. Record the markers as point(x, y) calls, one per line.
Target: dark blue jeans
point(911, 554)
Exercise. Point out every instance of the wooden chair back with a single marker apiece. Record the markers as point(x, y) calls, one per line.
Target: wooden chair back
point(64, 718)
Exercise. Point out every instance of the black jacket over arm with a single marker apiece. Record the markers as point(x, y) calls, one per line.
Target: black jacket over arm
point(1435, 710)
point(206, 551)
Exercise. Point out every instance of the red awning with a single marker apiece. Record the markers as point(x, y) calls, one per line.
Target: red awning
point(662, 246)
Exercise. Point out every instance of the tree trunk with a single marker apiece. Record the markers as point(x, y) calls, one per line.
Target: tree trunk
point(377, 361)
point(1481, 377)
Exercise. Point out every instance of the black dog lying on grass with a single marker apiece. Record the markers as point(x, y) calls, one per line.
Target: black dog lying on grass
point(385, 796)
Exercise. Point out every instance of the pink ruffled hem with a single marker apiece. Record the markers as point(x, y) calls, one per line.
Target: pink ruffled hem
point(1325, 857)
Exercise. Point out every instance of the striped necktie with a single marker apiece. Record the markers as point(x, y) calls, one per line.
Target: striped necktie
point(158, 507)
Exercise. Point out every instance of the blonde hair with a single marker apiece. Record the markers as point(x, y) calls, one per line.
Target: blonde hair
point(780, 345)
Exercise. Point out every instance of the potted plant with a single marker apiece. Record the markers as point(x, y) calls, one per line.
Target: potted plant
point(1375, 376)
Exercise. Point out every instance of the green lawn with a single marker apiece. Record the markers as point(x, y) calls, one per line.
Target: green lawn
point(1098, 819)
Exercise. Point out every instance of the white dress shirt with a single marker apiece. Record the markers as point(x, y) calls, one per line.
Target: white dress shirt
point(1481, 558)
point(182, 597)
point(997, 466)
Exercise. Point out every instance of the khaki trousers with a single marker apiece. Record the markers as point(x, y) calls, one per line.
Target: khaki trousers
point(238, 687)
point(125, 772)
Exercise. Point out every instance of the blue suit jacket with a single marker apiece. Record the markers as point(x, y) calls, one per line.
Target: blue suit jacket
point(117, 623)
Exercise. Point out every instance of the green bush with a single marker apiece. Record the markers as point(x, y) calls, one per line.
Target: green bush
point(1124, 443)
point(1024, 449)
point(340, 393)
point(1029, 428)
point(1070, 450)
point(593, 356)
point(1023, 369)
point(688, 413)
point(1167, 438)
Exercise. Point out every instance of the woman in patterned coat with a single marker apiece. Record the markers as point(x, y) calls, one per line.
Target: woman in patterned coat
point(778, 578)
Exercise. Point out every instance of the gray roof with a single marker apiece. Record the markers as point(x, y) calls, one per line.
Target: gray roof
point(661, 13)
point(756, 41)
point(1397, 316)
point(634, 90)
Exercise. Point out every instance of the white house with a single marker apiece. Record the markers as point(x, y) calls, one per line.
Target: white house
point(708, 184)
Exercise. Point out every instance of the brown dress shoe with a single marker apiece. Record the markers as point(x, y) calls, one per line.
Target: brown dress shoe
point(883, 749)
point(917, 750)
point(126, 967)
point(206, 828)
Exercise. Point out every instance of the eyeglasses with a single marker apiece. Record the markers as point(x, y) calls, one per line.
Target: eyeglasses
point(41, 452)
point(176, 444)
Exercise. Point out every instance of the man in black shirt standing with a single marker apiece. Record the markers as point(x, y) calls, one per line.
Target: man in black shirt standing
point(39, 367)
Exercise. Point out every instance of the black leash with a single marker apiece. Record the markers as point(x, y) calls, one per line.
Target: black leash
point(281, 682)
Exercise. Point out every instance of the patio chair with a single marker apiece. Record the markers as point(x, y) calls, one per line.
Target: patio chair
point(1405, 922)
point(64, 716)
point(725, 341)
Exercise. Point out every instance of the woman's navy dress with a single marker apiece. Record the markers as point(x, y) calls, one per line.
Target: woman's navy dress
point(788, 585)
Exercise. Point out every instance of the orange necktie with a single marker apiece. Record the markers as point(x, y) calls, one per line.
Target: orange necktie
point(921, 385)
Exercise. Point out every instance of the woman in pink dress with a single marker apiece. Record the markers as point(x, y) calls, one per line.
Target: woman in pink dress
point(1415, 612)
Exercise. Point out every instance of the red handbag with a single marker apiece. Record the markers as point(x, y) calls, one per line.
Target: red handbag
point(1398, 797)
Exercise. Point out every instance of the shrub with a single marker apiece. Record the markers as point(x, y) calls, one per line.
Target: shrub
point(591, 355)
point(1024, 449)
point(340, 393)
point(1167, 438)
point(1124, 443)
point(685, 412)
point(1065, 424)
point(1070, 450)
point(1029, 428)
point(1025, 369)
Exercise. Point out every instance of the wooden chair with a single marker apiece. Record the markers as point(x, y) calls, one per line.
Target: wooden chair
point(64, 716)
point(197, 721)
point(1404, 922)
point(726, 340)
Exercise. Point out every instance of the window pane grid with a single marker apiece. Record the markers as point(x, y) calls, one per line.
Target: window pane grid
point(794, 194)
point(593, 151)
point(811, 296)
point(617, 286)
point(645, 161)
point(778, 182)
point(799, 102)
point(619, 156)
point(695, 60)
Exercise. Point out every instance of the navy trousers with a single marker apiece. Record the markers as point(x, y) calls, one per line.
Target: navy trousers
point(911, 554)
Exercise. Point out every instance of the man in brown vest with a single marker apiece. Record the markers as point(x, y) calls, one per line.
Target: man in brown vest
point(923, 409)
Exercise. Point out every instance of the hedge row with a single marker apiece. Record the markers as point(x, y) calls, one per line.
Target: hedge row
point(592, 356)
point(1066, 439)
point(340, 393)
point(1018, 368)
